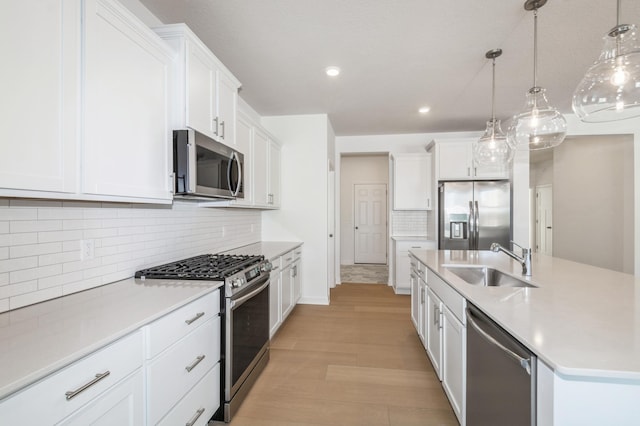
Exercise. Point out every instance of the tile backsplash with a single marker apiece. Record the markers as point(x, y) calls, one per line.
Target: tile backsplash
point(54, 248)
point(409, 223)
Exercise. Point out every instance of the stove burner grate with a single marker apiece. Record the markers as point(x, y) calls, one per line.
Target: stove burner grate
point(203, 267)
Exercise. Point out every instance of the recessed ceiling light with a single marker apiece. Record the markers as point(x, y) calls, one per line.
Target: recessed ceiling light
point(424, 110)
point(332, 71)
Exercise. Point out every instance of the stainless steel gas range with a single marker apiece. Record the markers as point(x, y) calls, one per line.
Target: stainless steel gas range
point(245, 335)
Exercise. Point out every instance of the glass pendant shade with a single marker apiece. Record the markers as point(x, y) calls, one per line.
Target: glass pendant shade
point(610, 90)
point(539, 125)
point(492, 148)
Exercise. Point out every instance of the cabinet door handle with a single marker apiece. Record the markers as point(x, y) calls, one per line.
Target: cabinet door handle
point(194, 363)
point(222, 125)
point(469, 171)
point(72, 394)
point(197, 317)
point(192, 421)
point(428, 202)
point(215, 130)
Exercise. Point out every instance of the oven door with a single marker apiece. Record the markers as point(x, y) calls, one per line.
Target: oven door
point(247, 334)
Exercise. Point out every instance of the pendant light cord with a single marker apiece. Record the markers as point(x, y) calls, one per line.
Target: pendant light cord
point(535, 49)
point(493, 93)
point(618, 13)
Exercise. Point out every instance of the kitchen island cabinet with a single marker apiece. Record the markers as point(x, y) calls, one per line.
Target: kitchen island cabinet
point(580, 380)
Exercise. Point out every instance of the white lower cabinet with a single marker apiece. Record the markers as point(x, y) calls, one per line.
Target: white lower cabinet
point(182, 348)
point(195, 409)
point(121, 405)
point(285, 287)
point(105, 385)
point(400, 249)
point(433, 325)
point(453, 371)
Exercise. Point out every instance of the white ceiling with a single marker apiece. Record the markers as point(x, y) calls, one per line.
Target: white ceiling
point(397, 55)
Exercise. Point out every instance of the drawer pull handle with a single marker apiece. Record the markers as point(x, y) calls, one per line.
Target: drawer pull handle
point(195, 417)
point(194, 363)
point(198, 316)
point(72, 394)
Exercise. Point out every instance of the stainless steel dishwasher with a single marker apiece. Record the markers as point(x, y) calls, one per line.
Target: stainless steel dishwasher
point(501, 375)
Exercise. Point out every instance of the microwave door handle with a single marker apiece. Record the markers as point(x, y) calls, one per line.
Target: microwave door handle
point(190, 184)
point(234, 159)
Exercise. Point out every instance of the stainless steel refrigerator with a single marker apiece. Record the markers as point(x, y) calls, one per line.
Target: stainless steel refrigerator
point(474, 214)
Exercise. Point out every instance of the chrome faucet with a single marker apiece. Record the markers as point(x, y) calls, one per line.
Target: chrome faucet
point(525, 260)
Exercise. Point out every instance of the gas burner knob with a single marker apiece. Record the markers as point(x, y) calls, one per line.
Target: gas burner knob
point(237, 282)
point(266, 267)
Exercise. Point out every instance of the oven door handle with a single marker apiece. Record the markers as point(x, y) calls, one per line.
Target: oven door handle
point(234, 303)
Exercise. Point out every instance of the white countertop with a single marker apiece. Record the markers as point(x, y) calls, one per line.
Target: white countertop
point(39, 339)
point(411, 238)
point(270, 249)
point(581, 320)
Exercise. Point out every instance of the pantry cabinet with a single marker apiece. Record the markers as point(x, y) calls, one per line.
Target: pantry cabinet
point(86, 110)
point(206, 93)
point(455, 162)
point(412, 186)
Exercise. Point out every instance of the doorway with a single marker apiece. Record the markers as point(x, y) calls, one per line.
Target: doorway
point(544, 219)
point(370, 223)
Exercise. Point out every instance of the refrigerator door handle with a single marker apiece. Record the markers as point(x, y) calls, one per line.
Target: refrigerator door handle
point(476, 226)
point(472, 231)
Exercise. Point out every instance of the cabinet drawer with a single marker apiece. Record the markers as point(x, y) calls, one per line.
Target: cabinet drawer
point(46, 401)
point(201, 402)
point(297, 253)
point(451, 298)
point(172, 327)
point(177, 370)
point(287, 258)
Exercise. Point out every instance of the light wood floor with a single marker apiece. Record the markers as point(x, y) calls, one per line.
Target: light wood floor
point(358, 361)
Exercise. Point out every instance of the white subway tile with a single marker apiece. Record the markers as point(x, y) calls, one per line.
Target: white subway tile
point(35, 226)
point(81, 285)
point(55, 258)
point(81, 224)
point(34, 297)
point(98, 272)
point(4, 253)
point(18, 289)
point(4, 278)
point(18, 264)
point(80, 265)
point(4, 303)
point(34, 203)
point(34, 249)
point(59, 280)
point(59, 213)
point(4, 227)
point(99, 213)
point(18, 214)
point(51, 236)
point(34, 273)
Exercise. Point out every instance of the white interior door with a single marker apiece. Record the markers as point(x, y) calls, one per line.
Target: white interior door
point(544, 219)
point(370, 222)
point(331, 214)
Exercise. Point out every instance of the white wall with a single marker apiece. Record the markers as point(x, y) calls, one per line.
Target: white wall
point(372, 169)
point(40, 242)
point(303, 213)
point(593, 201)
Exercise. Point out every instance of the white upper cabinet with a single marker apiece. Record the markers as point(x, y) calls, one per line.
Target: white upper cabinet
point(412, 182)
point(261, 165)
point(85, 103)
point(126, 140)
point(455, 162)
point(206, 91)
point(38, 114)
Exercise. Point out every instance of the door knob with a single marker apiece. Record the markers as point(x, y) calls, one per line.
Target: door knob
point(356, 227)
point(330, 235)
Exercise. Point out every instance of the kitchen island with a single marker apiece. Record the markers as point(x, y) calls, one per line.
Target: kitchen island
point(582, 322)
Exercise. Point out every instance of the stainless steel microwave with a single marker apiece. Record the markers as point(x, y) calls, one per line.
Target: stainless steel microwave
point(205, 168)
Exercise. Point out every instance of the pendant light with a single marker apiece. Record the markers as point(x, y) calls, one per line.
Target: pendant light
point(492, 148)
point(539, 125)
point(610, 90)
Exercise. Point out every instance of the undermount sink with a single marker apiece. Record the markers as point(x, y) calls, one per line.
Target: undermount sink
point(488, 277)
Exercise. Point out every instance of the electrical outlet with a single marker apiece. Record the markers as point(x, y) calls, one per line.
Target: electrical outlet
point(87, 249)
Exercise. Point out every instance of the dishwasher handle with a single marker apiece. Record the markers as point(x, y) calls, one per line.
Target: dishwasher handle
point(524, 362)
